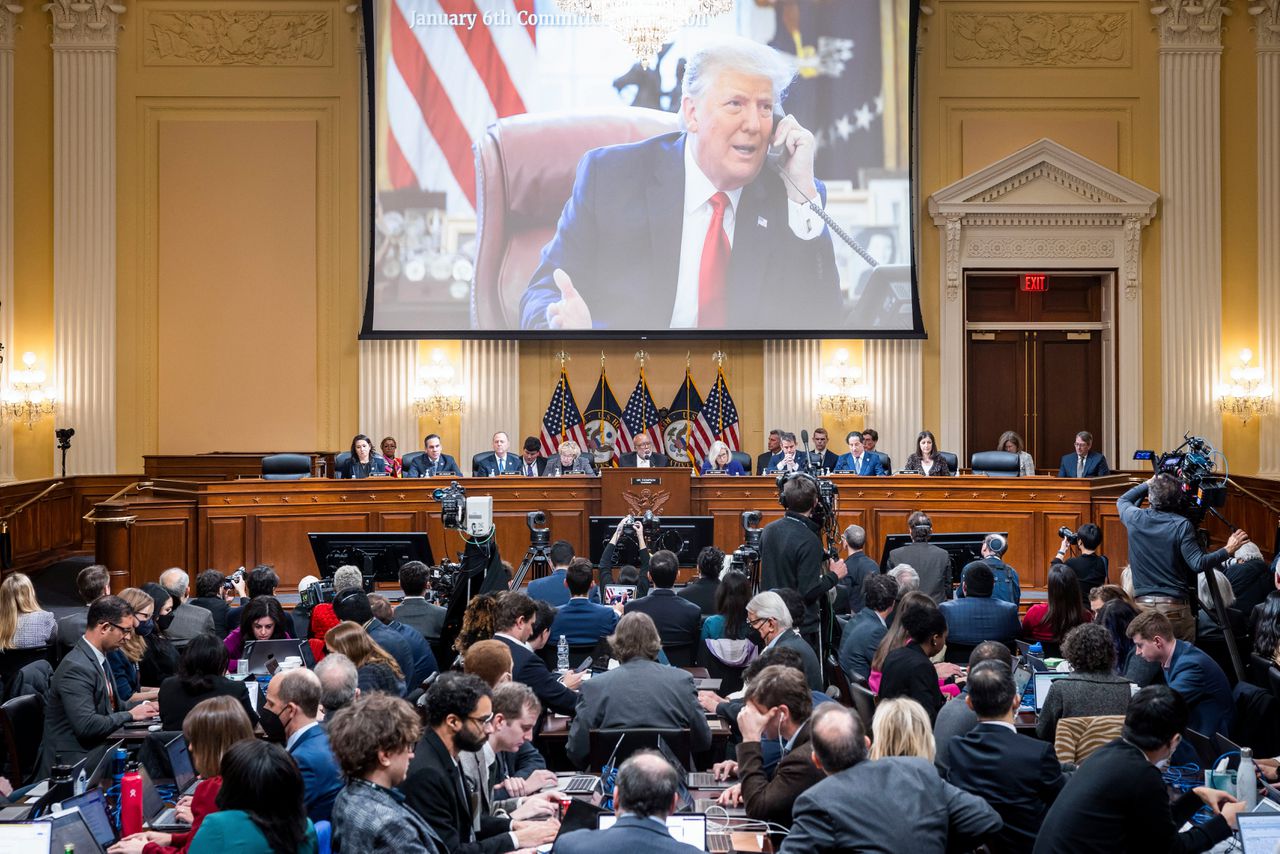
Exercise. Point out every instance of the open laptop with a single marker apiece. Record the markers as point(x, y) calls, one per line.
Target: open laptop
point(29, 837)
point(692, 779)
point(70, 829)
point(184, 775)
point(691, 829)
point(581, 815)
point(585, 784)
point(258, 652)
point(157, 814)
point(92, 807)
point(1042, 683)
point(1035, 662)
point(1259, 832)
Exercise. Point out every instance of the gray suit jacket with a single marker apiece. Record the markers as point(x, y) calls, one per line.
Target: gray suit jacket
point(932, 563)
point(581, 465)
point(188, 621)
point(71, 628)
point(78, 717)
point(420, 614)
point(640, 693)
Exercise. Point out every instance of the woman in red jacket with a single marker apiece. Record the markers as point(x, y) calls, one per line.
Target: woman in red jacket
point(1062, 613)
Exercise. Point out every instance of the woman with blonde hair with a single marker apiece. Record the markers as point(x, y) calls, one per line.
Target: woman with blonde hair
point(23, 623)
point(720, 461)
point(901, 727)
point(376, 669)
point(125, 660)
point(1012, 443)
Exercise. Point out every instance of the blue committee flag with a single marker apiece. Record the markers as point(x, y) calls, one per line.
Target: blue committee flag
point(604, 424)
point(681, 415)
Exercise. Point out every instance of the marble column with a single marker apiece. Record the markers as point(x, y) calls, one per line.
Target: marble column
point(388, 371)
point(8, 27)
point(1267, 26)
point(84, 228)
point(791, 374)
point(1191, 232)
point(491, 377)
point(893, 369)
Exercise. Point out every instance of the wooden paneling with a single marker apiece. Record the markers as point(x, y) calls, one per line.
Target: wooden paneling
point(222, 466)
point(51, 528)
point(156, 545)
point(624, 491)
point(283, 543)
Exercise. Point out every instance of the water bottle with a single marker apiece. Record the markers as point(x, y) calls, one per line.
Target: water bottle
point(1247, 780)
point(122, 757)
point(1036, 648)
point(562, 654)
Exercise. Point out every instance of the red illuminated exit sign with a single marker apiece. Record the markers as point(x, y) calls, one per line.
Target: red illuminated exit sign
point(1034, 282)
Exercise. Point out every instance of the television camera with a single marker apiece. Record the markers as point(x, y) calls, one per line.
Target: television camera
point(473, 516)
point(1192, 465)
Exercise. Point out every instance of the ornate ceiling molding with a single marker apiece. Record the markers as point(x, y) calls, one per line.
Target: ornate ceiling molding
point(1053, 174)
point(1266, 17)
point(1190, 23)
point(85, 24)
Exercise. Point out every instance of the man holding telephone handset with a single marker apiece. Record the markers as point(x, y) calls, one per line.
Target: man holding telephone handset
point(702, 222)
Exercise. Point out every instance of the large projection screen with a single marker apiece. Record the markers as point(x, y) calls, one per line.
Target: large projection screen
point(531, 178)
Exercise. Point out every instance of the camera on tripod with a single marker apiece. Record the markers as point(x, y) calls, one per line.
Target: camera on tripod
point(472, 516)
point(1069, 535)
point(539, 533)
point(746, 557)
point(315, 593)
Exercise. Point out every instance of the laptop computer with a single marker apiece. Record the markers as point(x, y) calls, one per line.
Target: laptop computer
point(184, 774)
point(157, 814)
point(692, 779)
point(1259, 832)
point(257, 653)
point(102, 773)
point(70, 829)
point(29, 837)
point(1042, 683)
point(93, 809)
point(691, 829)
point(1202, 745)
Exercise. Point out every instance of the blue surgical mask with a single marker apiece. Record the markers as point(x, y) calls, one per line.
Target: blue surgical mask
point(145, 627)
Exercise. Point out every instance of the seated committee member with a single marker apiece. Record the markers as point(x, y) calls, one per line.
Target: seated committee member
point(773, 444)
point(926, 460)
point(858, 461)
point(720, 461)
point(532, 462)
point(639, 693)
point(363, 462)
point(1083, 462)
point(569, 459)
point(743, 225)
point(1010, 442)
point(787, 459)
point(1117, 803)
point(389, 446)
point(433, 462)
point(500, 461)
point(646, 792)
point(978, 616)
point(643, 456)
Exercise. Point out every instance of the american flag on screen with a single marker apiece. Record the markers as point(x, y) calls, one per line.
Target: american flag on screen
point(563, 420)
point(717, 420)
point(641, 416)
point(449, 77)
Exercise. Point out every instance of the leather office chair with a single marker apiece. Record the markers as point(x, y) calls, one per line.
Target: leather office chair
point(995, 463)
point(744, 460)
point(22, 727)
point(525, 166)
point(339, 461)
point(953, 462)
point(475, 462)
point(286, 467)
point(13, 660)
point(409, 457)
point(886, 464)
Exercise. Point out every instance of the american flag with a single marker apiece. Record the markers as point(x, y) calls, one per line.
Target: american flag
point(449, 77)
point(717, 420)
point(563, 420)
point(641, 416)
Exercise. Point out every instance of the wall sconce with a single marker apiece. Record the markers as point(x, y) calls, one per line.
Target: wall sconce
point(27, 398)
point(843, 393)
point(1246, 395)
point(437, 394)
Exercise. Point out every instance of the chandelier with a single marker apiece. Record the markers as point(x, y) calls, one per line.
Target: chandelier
point(1246, 395)
point(843, 393)
point(646, 25)
point(437, 395)
point(27, 398)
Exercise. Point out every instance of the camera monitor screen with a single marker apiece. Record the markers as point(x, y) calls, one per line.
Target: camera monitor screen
point(963, 548)
point(378, 555)
point(532, 177)
point(684, 535)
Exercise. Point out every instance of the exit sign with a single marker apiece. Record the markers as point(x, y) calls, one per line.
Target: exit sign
point(1035, 282)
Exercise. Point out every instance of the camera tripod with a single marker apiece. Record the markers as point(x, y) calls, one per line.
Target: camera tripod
point(538, 555)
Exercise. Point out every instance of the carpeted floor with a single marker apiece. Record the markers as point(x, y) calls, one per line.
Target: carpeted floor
point(56, 585)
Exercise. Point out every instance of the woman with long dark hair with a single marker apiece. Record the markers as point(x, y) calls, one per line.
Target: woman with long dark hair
point(200, 676)
point(1115, 616)
point(1266, 632)
point(260, 806)
point(161, 658)
point(261, 619)
point(364, 460)
point(926, 460)
point(730, 618)
point(1050, 621)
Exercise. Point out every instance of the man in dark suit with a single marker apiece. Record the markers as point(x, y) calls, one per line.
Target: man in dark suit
point(768, 615)
point(353, 605)
point(91, 582)
point(81, 709)
point(499, 462)
point(646, 792)
point(639, 693)
point(679, 621)
point(289, 713)
point(777, 707)
point(532, 463)
point(424, 660)
point(928, 814)
point(858, 460)
point(858, 567)
point(643, 456)
point(1117, 803)
point(862, 635)
point(580, 620)
point(212, 596)
point(459, 717)
point(1188, 670)
point(702, 590)
point(977, 617)
point(434, 461)
point(773, 444)
point(871, 438)
point(1083, 462)
point(931, 563)
point(1018, 775)
point(188, 620)
point(414, 610)
point(822, 457)
point(725, 226)
point(551, 588)
point(788, 459)
point(513, 625)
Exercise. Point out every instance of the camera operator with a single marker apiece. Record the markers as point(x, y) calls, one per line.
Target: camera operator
point(1090, 567)
point(609, 556)
point(1164, 555)
point(792, 554)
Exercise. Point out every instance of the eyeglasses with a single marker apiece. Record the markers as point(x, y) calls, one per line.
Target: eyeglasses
point(484, 721)
point(123, 630)
point(758, 622)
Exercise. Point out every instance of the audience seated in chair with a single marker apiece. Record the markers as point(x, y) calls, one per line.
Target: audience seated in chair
point(976, 616)
point(188, 620)
point(579, 620)
point(515, 714)
point(956, 717)
point(865, 631)
point(201, 669)
point(1007, 586)
point(513, 621)
point(1050, 621)
point(414, 610)
point(289, 715)
point(1092, 688)
point(908, 671)
point(678, 620)
point(768, 615)
point(424, 660)
point(702, 590)
point(91, 582)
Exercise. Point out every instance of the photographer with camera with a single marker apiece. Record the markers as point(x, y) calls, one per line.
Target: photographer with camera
point(629, 528)
point(1091, 568)
point(1164, 554)
point(792, 554)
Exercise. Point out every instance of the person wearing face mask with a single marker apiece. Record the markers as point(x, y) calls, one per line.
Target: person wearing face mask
point(160, 661)
point(1117, 801)
point(777, 707)
point(288, 715)
point(125, 660)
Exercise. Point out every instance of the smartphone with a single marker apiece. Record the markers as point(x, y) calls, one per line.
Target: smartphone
point(584, 666)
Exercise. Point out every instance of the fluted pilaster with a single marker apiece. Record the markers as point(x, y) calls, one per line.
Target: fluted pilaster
point(1267, 26)
point(388, 370)
point(791, 373)
point(1191, 239)
point(491, 374)
point(8, 25)
point(896, 406)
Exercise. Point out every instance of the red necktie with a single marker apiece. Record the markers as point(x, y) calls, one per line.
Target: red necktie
point(713, 272)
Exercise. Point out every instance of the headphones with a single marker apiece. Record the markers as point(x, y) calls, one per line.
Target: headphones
point(997, 544)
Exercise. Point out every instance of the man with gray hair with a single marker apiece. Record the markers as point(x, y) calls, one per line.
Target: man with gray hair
point(347, 578)
point(907, 578)
point(725, 222)
point(646, 792)
point(859, 566)
point(188, 620)
point(1251, 579)
point(770, 618)
point(339, 682)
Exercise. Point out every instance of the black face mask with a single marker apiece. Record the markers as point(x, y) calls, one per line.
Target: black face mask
point(164, 621)
point(272, 725)
point(754, 636)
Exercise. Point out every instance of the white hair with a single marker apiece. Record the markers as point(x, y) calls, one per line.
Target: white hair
point(348, 578)
point(717, 448)
point(740, 54)
point(1224, 589)
point(769, 606)
point(907, 577)
point(1249, 551)
point(175, 581)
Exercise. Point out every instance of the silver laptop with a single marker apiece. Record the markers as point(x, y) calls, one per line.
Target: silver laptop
point(1042, 683)
point(1259, 832)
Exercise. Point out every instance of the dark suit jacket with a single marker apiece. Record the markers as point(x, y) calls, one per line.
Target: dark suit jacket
point(395, 645)
point(771, 799)
point(378, 465)
point(701, 592)
point(78, 717)
point(432, 791)
point(620, 233)
point(858, 644)
point(628, 460)
point(539, 466)
point(176, 702)
point(582, 621)
point(550, 588)
point(487, 465)
point(1095, 465)
point(631, 833)
point(931, 562)
point(776, 460)
point(422, 467)
point(1018, 775)
point(975, 619)
point(424, 660)
point(1204, 686)
point(188, 621)
point(528, 668)
point(321, 776)
point(217, 606)
point(812, 667)
point(870, 464)
point(1117, 804)
point(762, 462)
point(909, 673)
point(422, 615)
point(679, 621)
point(823, 459)
point(71, 628)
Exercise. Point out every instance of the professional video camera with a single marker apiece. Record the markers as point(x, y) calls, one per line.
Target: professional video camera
point(824, 512)
point(315, 593)
point(472, 516)
point(1192, 465)
point(443, 580)
point(746, 558)
point(539, 533)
